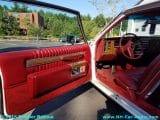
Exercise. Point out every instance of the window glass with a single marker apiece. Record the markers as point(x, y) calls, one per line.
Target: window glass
point(118, 30)
point(26, 27)
point(138, 24)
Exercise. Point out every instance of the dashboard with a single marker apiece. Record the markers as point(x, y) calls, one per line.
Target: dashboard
point(110, 46)
point(108, 49)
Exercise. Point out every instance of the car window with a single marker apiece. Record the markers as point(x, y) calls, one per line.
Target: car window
point(141, 25)
point(118, 30)
point(24, 26)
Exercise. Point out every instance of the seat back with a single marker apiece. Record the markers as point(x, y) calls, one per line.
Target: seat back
point(150, 77)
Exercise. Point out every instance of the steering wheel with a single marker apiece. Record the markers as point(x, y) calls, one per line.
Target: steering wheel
point(130, 46)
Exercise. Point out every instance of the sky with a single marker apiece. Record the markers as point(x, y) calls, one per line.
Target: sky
point(86, 7)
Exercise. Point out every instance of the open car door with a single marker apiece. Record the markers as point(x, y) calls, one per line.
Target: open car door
point(34, 66)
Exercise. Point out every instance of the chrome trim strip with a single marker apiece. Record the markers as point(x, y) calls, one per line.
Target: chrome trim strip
point(123, 102)
point(153, 89)
point(46, 60)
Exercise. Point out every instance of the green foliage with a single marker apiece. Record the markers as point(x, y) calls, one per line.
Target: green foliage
point(34, 31)
point(116, 30)
point(3, 10)
point(93, 26)
point(109, 19)
point(55, 25)
point(24, 8)
point(100, 20)
point(1, 15)
point(60, 24)
point(88, 27)
point(86, 18)
point(9, 25)
point(17, 8)
point(95, 30)
point(124, 25)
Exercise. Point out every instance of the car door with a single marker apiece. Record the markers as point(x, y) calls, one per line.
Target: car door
point(34, 66)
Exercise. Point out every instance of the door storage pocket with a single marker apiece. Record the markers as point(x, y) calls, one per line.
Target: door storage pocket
point(42, 82)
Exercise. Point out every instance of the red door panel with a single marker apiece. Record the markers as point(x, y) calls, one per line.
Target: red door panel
point(33, 77)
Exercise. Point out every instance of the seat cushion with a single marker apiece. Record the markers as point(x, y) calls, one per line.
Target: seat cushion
point(129, 78)
point(150, 73)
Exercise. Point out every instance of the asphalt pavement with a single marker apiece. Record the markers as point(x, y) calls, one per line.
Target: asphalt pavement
point(83, 103)
point(6, 46)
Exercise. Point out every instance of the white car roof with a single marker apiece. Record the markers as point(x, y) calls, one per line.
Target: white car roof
point(143, 2)
point(143, 5)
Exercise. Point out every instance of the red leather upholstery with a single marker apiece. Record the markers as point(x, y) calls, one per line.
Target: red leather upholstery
point(99, 50)
point(140, 80)
point(129, 78)
point(43, 81)
point(21, 83)
point(150, 71)
point(13, 67)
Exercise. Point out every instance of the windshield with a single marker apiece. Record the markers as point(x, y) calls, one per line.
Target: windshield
point(24, 26)
point(137, 24)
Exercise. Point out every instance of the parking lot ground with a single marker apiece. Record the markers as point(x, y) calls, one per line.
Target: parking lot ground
point(83, 103)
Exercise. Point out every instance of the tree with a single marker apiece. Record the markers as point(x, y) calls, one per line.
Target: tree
point(1, 16)
point(24, 8)
point(86, 18)
point(10, 25)
point(57, 28)
point(108, 19)
point(34, 31)
point(41, 13)
point(15, 8)
point(100, 20)
point(55, 25)
point(94, 31)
